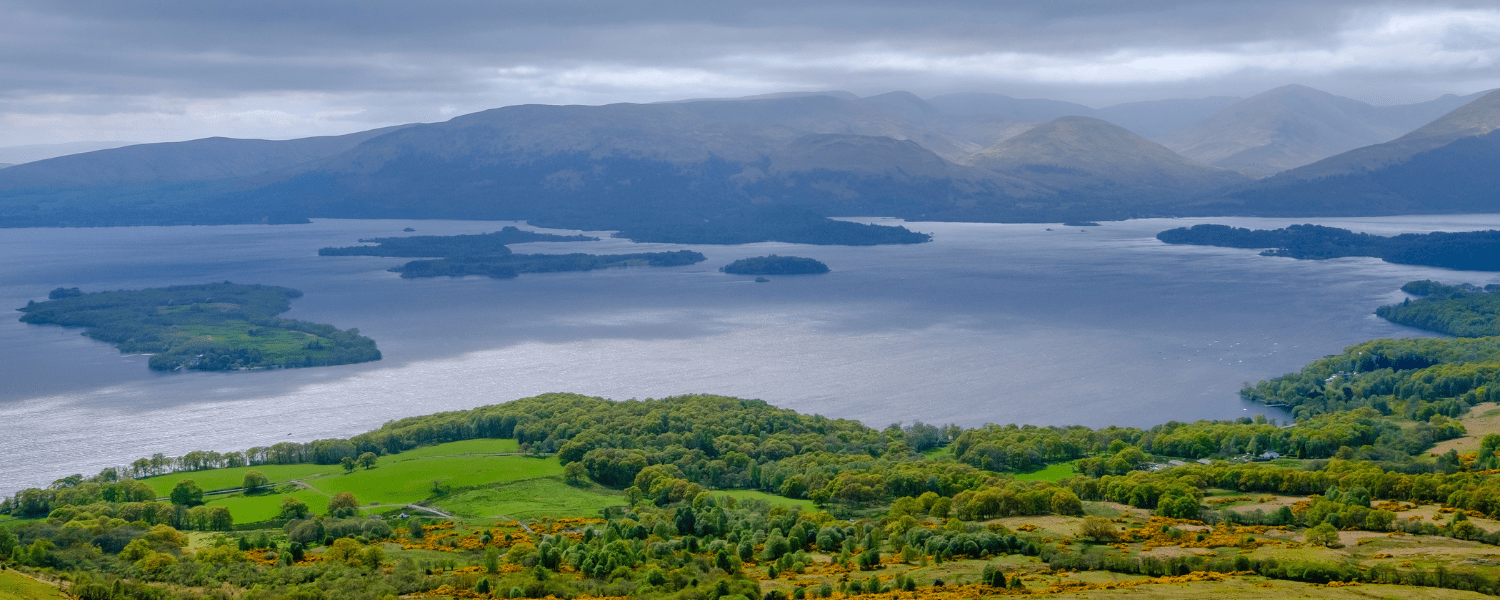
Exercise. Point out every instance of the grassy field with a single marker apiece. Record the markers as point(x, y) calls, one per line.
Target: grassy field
point(531, 498)
point(15, 586)
point(403, 481)
point(219, 479)
point(1053, 472)
point(481, 446)
point(1481, 420)
point(806, 505)
point(264, 507)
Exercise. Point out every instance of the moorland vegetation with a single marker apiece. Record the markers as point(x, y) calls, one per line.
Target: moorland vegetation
point(709, 497)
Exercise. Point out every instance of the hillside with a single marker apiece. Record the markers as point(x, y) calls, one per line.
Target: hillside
point(719, 170)
point(1078, 156)
point(1295, 125)
point(1446, 166)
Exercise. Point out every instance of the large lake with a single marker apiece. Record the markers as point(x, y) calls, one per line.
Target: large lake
point(987, 323)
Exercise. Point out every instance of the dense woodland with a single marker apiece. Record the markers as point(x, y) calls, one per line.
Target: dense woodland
point(508, 266)
point(1469, 251)
point(775, 265)
point(211, 327)
point(451, 246)
point(1459, 310)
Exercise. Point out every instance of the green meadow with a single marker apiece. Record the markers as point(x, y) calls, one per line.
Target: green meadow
point(264, 507)
point(222, 479)
point(1054, 472)
point(15, 586)
point(774, 499)
point(401, 482)
point(479, 446)
point(465, 478)
point(528, 499)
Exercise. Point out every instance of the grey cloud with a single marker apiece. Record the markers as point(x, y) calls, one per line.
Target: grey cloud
point(370, 63)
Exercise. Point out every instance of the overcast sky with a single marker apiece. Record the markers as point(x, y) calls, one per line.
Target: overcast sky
point(163, 70)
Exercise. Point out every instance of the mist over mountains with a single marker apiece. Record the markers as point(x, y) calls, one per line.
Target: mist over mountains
point(745, 168)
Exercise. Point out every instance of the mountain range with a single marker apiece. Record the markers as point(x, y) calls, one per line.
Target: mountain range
point(702, 169)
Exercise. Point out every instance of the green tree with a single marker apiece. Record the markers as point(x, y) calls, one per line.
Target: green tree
point(491, 560)
point(219, 519)
point(187, 493)
point(254, 481)
point(292, 508)
point(367, 460)
point(574, 473)
point(343, 505)
point(348, 463)
point(1097, 529)
point(1065, 502)
point(1323, 535)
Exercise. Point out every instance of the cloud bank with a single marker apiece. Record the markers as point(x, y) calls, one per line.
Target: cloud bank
point(171, 70)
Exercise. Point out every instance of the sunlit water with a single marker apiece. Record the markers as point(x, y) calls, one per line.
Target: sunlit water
point(988, 323)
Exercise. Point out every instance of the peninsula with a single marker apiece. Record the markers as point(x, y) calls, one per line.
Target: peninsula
point(1467, 250)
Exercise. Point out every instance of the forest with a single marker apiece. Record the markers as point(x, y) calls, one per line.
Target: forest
point(210, 327)
point(1461, 310)
point(1466, 251)
point(775, 265)
point(507, 266)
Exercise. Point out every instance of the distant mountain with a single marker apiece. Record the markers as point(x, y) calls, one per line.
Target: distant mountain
point(704, 171)
point(1153, 118)
point(1446, 166)
point(1090, 158)
point(997, 105)
point(198, 160)
point(15, 155)
point(1295, 125)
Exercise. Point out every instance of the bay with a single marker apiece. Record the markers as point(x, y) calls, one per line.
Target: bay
point(1002, 323)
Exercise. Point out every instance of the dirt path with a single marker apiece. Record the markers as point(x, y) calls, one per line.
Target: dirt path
point(426, 509)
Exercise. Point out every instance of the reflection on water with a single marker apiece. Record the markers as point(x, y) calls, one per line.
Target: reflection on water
point(988, 323)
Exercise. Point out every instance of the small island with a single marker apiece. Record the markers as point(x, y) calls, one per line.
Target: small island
point(449, 246)
point(212, 327)
point(775, 265)
point(509, 266)
point(1466, 251)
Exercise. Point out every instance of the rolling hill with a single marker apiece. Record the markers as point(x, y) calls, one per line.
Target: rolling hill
point(1295, 125)
point(1446, 166)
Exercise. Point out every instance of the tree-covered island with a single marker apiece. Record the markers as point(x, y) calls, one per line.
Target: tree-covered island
point(507, 266)
point(775, 265)
point(211, 327)
point(487, 254)
point(1467, 250)
point(450, 246)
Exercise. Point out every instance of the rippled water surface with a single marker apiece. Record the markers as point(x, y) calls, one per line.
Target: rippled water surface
point(987, 323)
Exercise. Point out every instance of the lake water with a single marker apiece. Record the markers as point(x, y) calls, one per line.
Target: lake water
point(987, 323)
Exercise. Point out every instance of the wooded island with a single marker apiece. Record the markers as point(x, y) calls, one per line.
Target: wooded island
point(211, 327)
